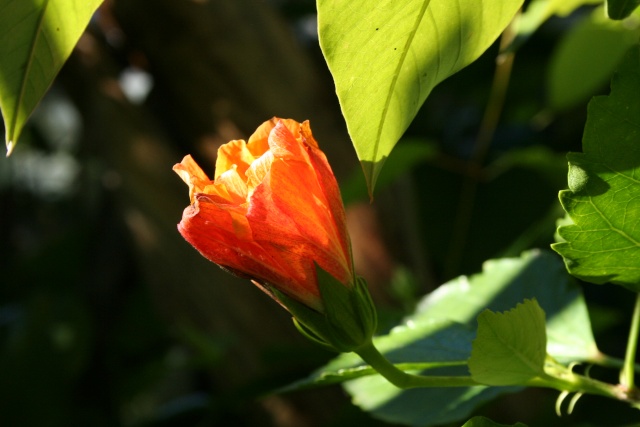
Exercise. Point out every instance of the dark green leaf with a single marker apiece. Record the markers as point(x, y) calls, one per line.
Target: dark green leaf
point(485, 422)
point(586, 57)
point(539, 11)
point(620, 9)
point(603, 243)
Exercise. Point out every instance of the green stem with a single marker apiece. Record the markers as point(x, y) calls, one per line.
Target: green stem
point(488, 126)
point(370, 354)
point(562, 378)
point(607, 361)
point(628, 372)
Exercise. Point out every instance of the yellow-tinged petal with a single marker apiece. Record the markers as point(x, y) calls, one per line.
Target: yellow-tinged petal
point(234, 184)
point(192, 175)
point(259, 170)
point(234, 153)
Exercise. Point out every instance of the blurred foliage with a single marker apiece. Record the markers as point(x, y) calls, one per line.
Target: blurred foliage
point(108, 318)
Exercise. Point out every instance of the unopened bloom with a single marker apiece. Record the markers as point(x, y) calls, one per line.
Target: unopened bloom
point(272, 212)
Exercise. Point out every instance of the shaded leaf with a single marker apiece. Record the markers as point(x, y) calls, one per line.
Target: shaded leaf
point(485, 422)
point(36, 38)
point(504, 283)
point(510, 347)
point(620, 9)
point(539, 11)
point(603, 200)
point(587, 56)
point(386, 57)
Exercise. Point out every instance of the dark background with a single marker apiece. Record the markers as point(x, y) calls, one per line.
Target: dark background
point(108, 318)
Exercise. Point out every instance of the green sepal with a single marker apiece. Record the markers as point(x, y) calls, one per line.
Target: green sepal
point(349, 318)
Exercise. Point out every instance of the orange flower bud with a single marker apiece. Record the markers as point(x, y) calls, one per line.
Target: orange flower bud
point(272, 212)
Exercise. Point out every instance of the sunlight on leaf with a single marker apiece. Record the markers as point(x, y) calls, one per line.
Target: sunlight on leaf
point(505, 282)
point(510, 347)
point(386, 57)
point(439, 334)
point(603, 243)
point(36, 38)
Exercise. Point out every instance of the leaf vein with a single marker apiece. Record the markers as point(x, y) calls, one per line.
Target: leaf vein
point(394, 80)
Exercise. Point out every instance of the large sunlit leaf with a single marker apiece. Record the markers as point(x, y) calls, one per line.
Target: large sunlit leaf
point(386, 56)
point(36, 38)
point(603, 243)
point(585, 58)
point(438, 336)
point(510, 347)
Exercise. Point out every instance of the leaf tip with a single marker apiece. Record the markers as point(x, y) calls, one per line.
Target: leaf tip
point(10, 147)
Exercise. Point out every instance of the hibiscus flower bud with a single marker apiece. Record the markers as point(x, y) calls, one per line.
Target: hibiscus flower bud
point(273, 213)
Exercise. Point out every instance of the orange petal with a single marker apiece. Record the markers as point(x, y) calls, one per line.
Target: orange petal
point(192, 175)
point(259, 170)
point(234, 184)
point(210, 229)
point(233, 153)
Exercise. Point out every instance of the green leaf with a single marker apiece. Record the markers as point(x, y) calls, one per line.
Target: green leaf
point(620, 9)
point(485, 422)
point(36, 38)
point(386, 56)
point(603, 243)
point(587, 56)
point(440, 332)
point(505, 282)
point(539, 11)
point(510, 347)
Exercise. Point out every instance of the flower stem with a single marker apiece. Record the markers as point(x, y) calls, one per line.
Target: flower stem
point(628, 371)
point(370, 354)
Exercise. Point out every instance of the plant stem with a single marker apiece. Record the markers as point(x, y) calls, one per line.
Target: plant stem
point(628, 372)
point(370, 354)
point(607, 361)
point(488, 125)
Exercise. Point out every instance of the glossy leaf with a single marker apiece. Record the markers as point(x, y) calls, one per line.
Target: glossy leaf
point(620, 9)
point(510, 347)
point(36, 38)
point(586, 57)
point(603, 243)
point(386, 57)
